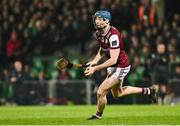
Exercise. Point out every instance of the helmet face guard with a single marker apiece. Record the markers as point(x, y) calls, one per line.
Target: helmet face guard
point(105, 15)
point(97, 26)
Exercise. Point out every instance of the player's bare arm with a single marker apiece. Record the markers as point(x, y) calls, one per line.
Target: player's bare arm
point(114, 54)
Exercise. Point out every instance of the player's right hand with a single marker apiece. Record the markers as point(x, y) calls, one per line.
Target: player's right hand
point(90, 71)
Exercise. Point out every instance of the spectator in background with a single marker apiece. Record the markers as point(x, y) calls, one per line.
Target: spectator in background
point(160, 63)
point(64, 75)
point(176, 74)
point(174, 86)
point(17, 78)
point(13, 46)
point(146, 11)
point(7, 86)
point(135, 44)
point(38, 94)
point(145, 53)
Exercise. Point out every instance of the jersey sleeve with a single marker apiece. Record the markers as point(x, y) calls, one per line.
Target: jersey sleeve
point(114, 41)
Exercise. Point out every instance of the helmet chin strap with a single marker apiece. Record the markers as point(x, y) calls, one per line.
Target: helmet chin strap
point(101, 29)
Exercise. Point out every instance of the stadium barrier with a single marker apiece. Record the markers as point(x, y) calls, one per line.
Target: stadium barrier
point(34, 92)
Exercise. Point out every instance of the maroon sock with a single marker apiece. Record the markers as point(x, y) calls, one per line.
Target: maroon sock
point(99, 113)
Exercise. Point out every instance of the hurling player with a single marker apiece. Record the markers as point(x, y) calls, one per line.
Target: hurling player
point(117, 64)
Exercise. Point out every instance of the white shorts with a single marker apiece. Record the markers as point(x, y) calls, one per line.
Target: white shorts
point(117, 72)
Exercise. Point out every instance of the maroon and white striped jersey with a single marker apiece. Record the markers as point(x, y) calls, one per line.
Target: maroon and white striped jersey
point(112, 39)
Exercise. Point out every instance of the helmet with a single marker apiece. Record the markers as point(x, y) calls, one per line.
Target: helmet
point(106, 15)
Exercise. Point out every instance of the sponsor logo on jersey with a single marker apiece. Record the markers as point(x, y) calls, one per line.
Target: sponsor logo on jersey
point(114, 43)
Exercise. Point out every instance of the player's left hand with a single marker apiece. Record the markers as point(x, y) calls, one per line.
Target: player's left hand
point(90, 70)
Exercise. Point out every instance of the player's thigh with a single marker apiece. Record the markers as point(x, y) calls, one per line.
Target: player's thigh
point(116, 89)
point(108, 83)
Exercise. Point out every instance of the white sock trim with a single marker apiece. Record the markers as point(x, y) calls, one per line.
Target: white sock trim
point(148, 91)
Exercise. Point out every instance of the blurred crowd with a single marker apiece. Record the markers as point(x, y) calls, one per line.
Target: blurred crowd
point(34, 33)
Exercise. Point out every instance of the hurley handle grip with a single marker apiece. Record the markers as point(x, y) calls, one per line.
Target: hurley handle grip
point(85, 65)
point(80, 65)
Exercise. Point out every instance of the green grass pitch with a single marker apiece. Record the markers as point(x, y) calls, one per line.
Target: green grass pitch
point(77, 115)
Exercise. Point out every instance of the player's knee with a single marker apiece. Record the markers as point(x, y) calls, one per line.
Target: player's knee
point(100, 92)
